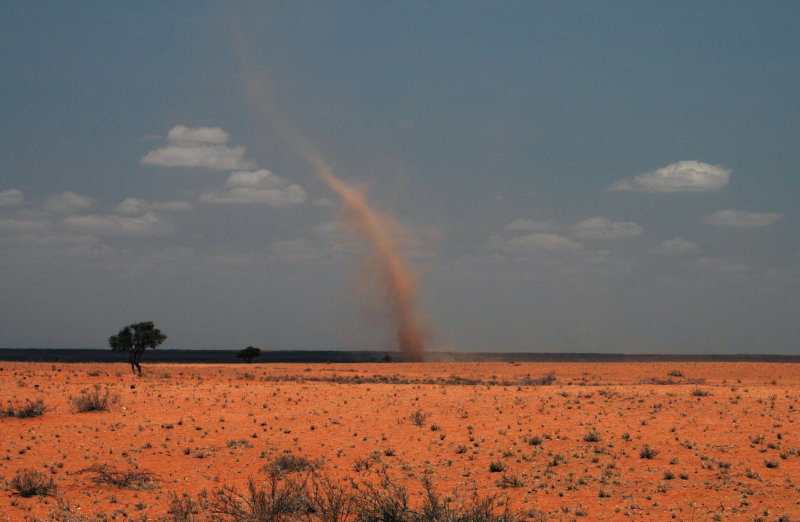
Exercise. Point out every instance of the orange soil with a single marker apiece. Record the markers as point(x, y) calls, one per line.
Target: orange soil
point(206, 426)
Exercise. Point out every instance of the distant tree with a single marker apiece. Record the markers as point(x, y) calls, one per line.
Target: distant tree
point(135, 339)
point(249, 353)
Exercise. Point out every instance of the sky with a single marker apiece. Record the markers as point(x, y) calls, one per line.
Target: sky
point(563, 176)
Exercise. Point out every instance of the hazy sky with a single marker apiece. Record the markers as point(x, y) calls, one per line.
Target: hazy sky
point(565, 176)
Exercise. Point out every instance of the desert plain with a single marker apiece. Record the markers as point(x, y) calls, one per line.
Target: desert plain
point(561, 441)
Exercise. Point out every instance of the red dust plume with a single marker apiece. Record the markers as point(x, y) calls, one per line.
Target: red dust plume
point(398, 280)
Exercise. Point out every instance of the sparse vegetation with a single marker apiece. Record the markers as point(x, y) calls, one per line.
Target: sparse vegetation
point(27, 410)
point(586, 440)
point(592, 436)
point(183, 508)
point(418, 418)
point(316, 497)
point(497, 466)
point(289, 463)
point(94, 400)
point(31, 482)
point(129, 479)
point(648, 452)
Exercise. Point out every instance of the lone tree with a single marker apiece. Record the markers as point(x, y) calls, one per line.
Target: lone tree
point(135, 339)
point(249, 353)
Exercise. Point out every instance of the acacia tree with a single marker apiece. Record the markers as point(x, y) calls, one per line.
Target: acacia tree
point(135, 339)
point(249, 353)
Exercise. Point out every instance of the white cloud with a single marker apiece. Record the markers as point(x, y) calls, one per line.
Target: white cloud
point(259, 187)
point(66, 203)
point(739, 219)
point(602, 228)
point(528, 224)
point(11, 198)
point(676, 246)
point(532, 243)
point(199, 147)
point(25, 225)
point(148, 224)
point(133, 206)
point(211, 135)
point(172, 205)
point(683, 176)
point(216, 157)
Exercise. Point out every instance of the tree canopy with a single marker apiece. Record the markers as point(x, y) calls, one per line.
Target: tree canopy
point(249, 353)
point(135, 339)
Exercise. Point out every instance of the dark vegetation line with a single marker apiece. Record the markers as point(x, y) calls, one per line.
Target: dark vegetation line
point(79, 355)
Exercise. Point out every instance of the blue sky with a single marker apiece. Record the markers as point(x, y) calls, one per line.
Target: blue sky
point(565, 176)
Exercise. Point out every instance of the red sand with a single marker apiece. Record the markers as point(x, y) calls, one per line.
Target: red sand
point(715, 427)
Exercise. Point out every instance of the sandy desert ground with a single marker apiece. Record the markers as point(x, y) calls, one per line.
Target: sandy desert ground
point(603, 441)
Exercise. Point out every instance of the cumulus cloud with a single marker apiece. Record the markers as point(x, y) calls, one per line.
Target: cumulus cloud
point(131, 206)
point(533, 243)
point(135, 206)
point(25, 225)
point(683, 176)
point(528, 224)
point(259, 187)
point(739, 219)
point(197, 135)
point(148, 224)
point(11, 198)
point(676, 246)
point(602, 228)
point(216, 157)
point(66, 203)
point(178, 206)
point(200, 147)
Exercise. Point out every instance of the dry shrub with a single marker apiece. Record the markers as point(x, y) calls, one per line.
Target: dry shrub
point(31, 482)
point(276, 500)
point(30, 409)
point(183, 508)
point(94, 400)
point(320, 498)
point(290, 463)
point(130, 479)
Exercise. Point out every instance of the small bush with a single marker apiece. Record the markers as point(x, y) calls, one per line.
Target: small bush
point(273, 501)
point(510, 481)
point(535, 440)
point(557, 459)
point(592, 436)
point(30, 409)
point(289, 463)
point(362, 464)
point(130, 479)
point(647, 452)
point(771, 464)
point(418, 418)
point(497, 466)
point(184, 507)
point(32, 482)
point(94, 400)
point(700, 392)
